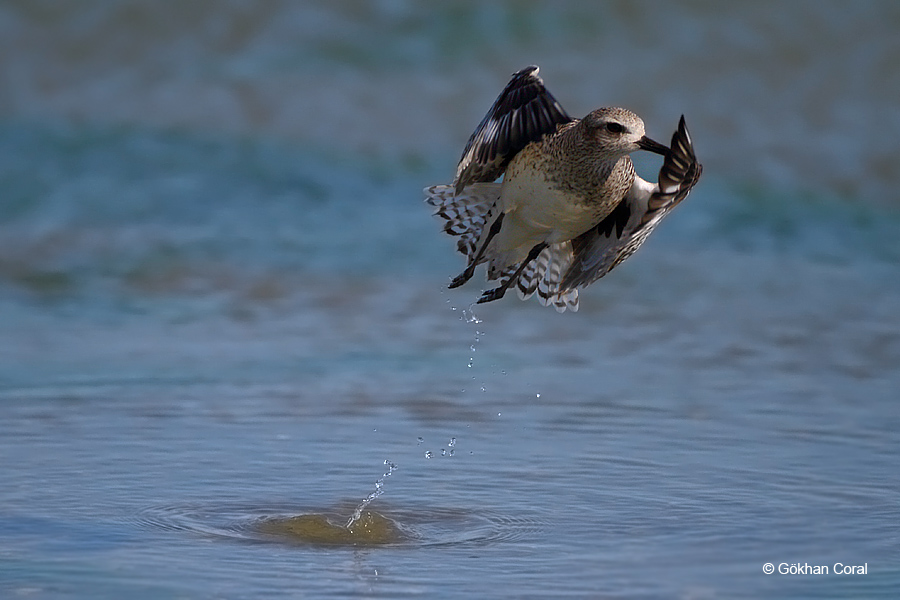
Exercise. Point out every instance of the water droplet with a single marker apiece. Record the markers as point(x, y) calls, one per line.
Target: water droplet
point(469, 315)
point(483, 389)
point(503, 372)
point(452, 452)
point(419, 440)
point(498, 414)
point(428, 454)
point(443, 452)
point(537, 395)
point(452, 442)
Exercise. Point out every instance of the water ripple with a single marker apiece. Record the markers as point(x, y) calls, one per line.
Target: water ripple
point(304, 525)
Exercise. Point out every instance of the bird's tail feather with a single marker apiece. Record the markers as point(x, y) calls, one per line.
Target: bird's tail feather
point(543, 276)
point(465, 213)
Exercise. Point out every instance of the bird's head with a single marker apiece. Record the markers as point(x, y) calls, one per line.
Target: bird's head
point(617, 131)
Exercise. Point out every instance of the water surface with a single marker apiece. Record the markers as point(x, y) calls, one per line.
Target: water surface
point(222, 309)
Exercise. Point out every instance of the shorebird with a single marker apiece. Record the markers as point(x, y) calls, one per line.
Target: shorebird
point(570, 207)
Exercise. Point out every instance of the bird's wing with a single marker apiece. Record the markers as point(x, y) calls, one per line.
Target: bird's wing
point(523, 113)
point(597, 251)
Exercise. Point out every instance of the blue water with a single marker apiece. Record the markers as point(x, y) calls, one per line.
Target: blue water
point(222, 301)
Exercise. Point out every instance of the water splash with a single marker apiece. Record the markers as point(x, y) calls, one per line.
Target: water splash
point(379, 489)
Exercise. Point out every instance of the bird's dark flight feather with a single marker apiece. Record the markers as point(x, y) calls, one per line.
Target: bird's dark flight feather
point(523, 113)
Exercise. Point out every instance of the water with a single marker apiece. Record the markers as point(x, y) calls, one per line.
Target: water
point(222, 308)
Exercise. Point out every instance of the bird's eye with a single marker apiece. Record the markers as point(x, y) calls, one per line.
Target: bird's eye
point(614, 127)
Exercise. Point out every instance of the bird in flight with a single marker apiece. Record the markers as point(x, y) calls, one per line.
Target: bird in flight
point(570, 206)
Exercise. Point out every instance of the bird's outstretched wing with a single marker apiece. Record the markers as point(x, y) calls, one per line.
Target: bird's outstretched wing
point(597, 251)
point(523, 113)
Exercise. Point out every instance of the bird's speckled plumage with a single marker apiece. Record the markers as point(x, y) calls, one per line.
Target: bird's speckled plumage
point(570, 206)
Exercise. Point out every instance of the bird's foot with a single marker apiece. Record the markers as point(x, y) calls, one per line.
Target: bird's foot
point(461, 278)
point(491, 295)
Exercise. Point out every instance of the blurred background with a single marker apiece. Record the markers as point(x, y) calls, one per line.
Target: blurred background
point(218, 281)
point(137, 134)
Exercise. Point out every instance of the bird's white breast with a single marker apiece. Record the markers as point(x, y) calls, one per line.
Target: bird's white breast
point(538, 209)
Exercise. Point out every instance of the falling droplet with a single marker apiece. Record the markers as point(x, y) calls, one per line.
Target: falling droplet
point(452, 452)
point(443, 452)
point(452, 442)
point(428, 454)
point(469, 315)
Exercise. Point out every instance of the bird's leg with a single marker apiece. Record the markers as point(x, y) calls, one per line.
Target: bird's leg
point(470, 269)
point(497, 293)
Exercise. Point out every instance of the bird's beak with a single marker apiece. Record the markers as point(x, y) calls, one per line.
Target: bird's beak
point(646, 143)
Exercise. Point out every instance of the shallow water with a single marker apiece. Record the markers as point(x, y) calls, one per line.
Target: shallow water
point(218, 317)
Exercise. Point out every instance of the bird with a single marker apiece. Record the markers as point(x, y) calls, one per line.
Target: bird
point(570, 206)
